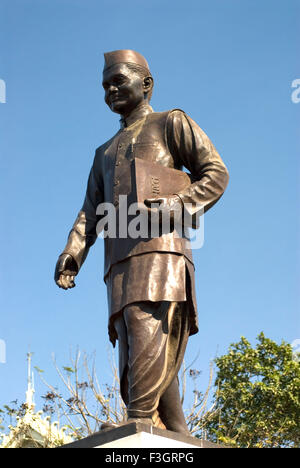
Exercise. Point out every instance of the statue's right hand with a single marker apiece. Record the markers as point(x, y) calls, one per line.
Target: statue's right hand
point(65, 271)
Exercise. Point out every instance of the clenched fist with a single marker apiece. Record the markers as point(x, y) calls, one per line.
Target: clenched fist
point(65, 271)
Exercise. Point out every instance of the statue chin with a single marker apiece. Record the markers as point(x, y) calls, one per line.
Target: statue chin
point(119, 107)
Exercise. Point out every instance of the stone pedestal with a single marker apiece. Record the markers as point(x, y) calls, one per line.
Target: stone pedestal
point(138, 435)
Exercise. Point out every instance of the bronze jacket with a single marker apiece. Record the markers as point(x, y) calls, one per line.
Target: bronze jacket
point(169, 138)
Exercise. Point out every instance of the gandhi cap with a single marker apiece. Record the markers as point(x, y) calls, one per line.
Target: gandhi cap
point(124, 56)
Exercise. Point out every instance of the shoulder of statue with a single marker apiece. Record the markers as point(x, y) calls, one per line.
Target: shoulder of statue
point(176, 117)
point(176, 112)
point(176, 109)
point(167, 112)
point(100, 150)
point(165, 116)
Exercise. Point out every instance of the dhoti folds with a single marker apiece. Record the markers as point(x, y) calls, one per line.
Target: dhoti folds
point(152, 340)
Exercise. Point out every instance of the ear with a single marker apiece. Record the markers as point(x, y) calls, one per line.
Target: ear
point(148, 84)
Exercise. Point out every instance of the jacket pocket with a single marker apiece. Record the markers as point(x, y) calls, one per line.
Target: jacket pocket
point(148, 151)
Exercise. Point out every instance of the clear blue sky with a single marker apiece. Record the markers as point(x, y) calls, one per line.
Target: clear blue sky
point(229, 65)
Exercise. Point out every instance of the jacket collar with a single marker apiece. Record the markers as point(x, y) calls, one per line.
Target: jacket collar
point(137, 114)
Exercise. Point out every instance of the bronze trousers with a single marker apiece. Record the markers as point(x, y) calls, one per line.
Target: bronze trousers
point(152, 339)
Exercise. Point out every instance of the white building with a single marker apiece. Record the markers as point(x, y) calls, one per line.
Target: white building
point(32, 430)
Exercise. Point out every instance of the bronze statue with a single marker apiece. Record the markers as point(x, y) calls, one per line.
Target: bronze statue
point(150, 281)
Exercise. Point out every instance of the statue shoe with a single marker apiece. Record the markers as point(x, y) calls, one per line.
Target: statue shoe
point(109, 425)
point(112, 425)
point(140, 420)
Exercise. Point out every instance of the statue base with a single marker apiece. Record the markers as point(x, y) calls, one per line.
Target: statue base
point(140, 436)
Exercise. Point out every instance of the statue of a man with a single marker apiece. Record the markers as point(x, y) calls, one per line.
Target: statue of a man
point(150, 282)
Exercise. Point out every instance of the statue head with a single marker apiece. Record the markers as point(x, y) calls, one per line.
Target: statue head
point(127, 81)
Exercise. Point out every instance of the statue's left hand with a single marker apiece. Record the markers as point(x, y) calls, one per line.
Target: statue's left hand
point(171, 203)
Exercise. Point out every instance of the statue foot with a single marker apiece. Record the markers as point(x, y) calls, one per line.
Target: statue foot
point(112, 425)
point(181, 428)
point(108, 425)
point(140, 420)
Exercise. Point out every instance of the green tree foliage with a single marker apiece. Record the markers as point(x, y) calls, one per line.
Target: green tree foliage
point(257, 396)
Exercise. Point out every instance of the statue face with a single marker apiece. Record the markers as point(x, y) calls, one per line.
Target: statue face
point(124, 89)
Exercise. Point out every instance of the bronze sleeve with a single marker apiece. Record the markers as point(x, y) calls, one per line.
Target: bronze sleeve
point(192, 148)
point(83, 233)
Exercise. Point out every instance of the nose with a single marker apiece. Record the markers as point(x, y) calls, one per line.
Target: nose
point(112, 89)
